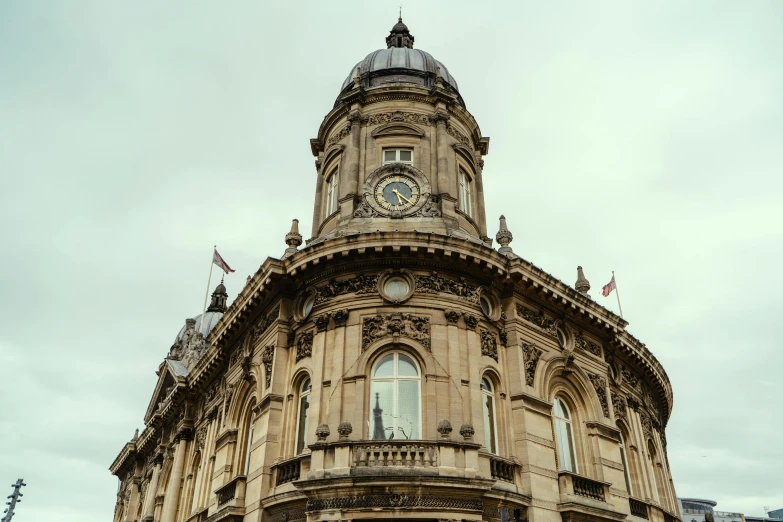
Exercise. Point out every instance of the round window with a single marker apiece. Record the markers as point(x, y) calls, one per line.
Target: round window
point(308, 306)
point(561, 337)
point(485, 306)
point(396, 288)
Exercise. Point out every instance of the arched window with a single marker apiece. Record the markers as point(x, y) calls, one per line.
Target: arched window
point(626, 468)
point(250, 428)
point(331, 194)
point(656, 472)
point(490, 428)
point(301, 419)
point(565, 437)
point(395, 398)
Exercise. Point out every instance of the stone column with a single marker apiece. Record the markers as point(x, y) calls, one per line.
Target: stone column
point(148, 512)
point(482, 215)
point(444, 178)
point(133, 501)
point(171, 501)
point(349, 182)
point(319, 186)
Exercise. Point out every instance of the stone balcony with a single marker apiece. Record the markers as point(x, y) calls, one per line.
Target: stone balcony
point(650, 510)
point(582, 499)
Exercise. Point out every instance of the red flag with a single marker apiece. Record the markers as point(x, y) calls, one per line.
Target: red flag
point(222, 264)
point(607, 289)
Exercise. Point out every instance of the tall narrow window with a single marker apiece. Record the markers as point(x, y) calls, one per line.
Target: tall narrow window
point(395, 404)
point(331, 194)
point(301, 422)
point(465, 200)
point(488, 396)
point(398, 156)
point(626, 469)
point(565, 437)
point(250, 428)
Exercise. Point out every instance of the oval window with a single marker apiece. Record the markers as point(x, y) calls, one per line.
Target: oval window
point(308, 306)
point(396, 288)
point(485, 306)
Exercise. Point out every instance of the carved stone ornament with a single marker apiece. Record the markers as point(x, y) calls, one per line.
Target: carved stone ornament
point(467, 432)
point(430, 208)
point(304, 346)
point(539, 319)
point(264, 323)
point(321, 322)
point(322, 431)
point(201, 437)
point(267, 356)
point(191, 347)
point(415, 327)
point(457, 135)
point(599, 383)
point(435, 284)
point(397, 116)
point(646, 425)
point(568, 364)
point(395, 501)
point(340, 317)
point(584, 345)
point(489, 344)
point(344, 429)
point(361, 284)
point(532, 355)
point(233, 358)
point(444, 428)
point(393, 169)
point(342, 133)
point(633, 403)
point(471, 321)
point(631, 378)
point(618, 405)
point(503, 336)
point(452, 316)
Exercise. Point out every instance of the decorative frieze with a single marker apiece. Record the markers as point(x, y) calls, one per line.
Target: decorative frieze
point(452, 316)
point(457, 135)
point(342, 133)
point(415, 327)
point(435, 284)
point(362, 284)
point(267, 356)
point(489, 344)
point(631, 378)
point(539, 319)
point(646, 425)
point(618, 405)
point(584, 345)
point(304, 346)
point(397, 116)
point(264, 323)
point(532, 354)
point(599, 383)
point(395, 501)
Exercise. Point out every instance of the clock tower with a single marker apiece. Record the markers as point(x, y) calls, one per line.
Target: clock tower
point(399, 150)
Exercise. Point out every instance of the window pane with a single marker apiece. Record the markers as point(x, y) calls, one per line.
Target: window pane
point(306, 385)
point(382, 415)
point(406, 367)
point(389, 155)
point(489, 423)
point(625, 468)
point(385, 368)
point(486, 385)
point(304, 406)
point(564, 444)
point(408, 407)
point(406, 155)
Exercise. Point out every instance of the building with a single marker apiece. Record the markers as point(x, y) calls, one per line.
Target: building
point(695, 509)
point(398, 367)
point(775, 513)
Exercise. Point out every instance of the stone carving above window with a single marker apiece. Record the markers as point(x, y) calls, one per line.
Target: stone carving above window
point(397, 116)
point(631, 378)
point(584, 345)
point(489, 344)
point(532, 354)
point(646, 425)
point(435, 284)
point(618, 405)
point(304, 346)
point(415, 327)
point(362, 284)
point(599, 383)
point(267, 356)
point(539, 319)
point(344, 132)
point(321, 322)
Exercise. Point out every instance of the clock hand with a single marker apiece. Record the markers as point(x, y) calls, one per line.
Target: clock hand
point(398, 196)
point(403, 197)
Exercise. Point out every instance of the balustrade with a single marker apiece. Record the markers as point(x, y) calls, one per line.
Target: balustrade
point(584, 487)
point(502, 469)
point(394, 453)
point(227, 493)
point(288, 471)
point(639, 509)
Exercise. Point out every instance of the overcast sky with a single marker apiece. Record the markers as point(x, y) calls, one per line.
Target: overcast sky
point(640, 137)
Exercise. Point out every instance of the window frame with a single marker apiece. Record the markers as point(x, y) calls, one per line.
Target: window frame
point(250, 430)
point(489, 395)
point(332, 188)
point(397, 159)
point(395, 379)
point(465, 192)
point(625, 462)
point(300, 436)
point(568, 426)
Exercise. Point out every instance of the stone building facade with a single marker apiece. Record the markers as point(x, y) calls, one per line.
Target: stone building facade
point(398, 367)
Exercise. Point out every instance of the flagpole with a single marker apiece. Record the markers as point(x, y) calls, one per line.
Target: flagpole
point(617, 291)
point(209, 281)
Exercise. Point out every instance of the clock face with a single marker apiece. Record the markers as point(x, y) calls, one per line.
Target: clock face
point(397, 192)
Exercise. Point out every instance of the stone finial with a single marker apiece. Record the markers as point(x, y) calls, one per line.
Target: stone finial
point(444, 428)
point(136, 435)
point(504, 237)
point(344, 429)
point(582, 285)
point(293, 239)
point(357, 79)
point(467, 432)
point(322, 431)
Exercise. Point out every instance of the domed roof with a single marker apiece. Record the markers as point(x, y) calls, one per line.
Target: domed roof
point(205, 326)
point(390, 61)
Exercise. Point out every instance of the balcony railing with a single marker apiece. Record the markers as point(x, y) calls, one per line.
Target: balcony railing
point(639, 508)
point(394, 454)
point(573, 487)
point(232, 492)
point(502, 469)
point(584, 487)
point(288, 471)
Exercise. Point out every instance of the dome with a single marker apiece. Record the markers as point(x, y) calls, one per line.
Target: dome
point(209, 323)
point(399, 64)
